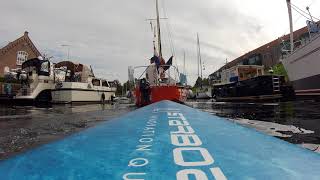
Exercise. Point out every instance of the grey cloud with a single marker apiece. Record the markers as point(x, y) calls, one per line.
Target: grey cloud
point(111, 35)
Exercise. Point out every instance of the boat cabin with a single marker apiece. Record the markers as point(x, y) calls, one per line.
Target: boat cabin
point(33, 72)
point(100, 82)
point(67, 71)
point(241, 72)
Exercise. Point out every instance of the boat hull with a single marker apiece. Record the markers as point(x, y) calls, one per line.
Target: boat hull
point(303, 69)
point(80, 95)
point(72, 92)
point(159, 93)
point(205, 94)
point(267, 87)
point(41, 94)
point(309, 86)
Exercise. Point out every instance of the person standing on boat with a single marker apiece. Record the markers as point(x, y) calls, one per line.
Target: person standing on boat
point(145, 91)
point(152, 72)
point(161, 69)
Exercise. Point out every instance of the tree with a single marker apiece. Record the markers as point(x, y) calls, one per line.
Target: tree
point(279, 69)
point(201, 82)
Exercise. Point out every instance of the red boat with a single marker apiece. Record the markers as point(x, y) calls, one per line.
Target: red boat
point(162, 80)
point(146, 93)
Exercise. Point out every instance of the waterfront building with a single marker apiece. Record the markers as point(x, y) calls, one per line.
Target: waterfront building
point(15, 53)
point(268, 54)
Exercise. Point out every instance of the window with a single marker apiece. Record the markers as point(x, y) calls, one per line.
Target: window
point(105, 83)
point(255, 60)
point(22, 56)
point(112, 84)
point(96, 82)
point(45, 67)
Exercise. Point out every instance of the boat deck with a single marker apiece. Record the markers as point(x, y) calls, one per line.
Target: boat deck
point(165, 140)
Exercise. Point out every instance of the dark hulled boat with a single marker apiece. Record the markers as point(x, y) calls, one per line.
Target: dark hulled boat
point(248, 83)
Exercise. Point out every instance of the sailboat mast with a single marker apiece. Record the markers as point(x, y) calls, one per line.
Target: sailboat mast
point(198, 54)
point(159, 31)
point(291, 25)
point(199, 57)
point(184, 62)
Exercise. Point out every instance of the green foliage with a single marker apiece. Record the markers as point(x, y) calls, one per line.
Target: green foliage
point(279, 69)
point(122, 88)
point(201, 82)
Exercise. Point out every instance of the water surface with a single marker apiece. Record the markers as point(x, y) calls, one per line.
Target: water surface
point(297, 122)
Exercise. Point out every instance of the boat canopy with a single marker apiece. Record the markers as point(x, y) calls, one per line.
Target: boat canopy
point(76, 69)
point(42, 66)
point(73, 67)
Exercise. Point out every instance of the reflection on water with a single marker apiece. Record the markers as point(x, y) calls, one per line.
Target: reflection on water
point(25, 127)
point(297, 122)
point(12, 111)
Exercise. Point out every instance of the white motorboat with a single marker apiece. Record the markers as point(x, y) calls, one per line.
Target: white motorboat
point(37, 81)
point(204, 92)
point(77, 83)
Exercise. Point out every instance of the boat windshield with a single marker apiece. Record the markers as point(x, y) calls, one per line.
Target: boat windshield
point(42, 67)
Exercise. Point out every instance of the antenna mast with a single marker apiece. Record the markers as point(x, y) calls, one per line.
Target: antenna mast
point(291, 25)
point(308, 9)
point(199, 57)
point(184, 62)
point(159, 31)
point(198, 54)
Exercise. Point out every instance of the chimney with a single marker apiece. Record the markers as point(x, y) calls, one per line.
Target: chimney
point(26, 33)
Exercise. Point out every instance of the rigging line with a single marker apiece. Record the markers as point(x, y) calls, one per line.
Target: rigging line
point(172, 47)
point(300, 13)
point(165, 13)
point(170, 39)
point(294, 6)
point(171, 34)
point(306, 12)
point(313, 16)
point(285, 31)
point(168, 29)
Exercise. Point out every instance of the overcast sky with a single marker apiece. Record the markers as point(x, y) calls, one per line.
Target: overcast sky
point(111, 35)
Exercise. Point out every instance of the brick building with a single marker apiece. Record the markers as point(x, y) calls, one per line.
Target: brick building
point(267, 55)
point(16, 52)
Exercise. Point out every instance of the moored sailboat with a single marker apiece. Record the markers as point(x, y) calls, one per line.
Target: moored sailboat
point(302, 64)
point(161, 80)
point(204, 91)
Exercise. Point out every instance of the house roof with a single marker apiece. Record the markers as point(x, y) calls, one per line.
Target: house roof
point(26, 38)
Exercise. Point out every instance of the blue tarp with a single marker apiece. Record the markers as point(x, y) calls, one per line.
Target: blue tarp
point(167, 141)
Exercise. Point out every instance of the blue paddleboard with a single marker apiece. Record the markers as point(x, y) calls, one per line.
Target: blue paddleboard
point(166, 141)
